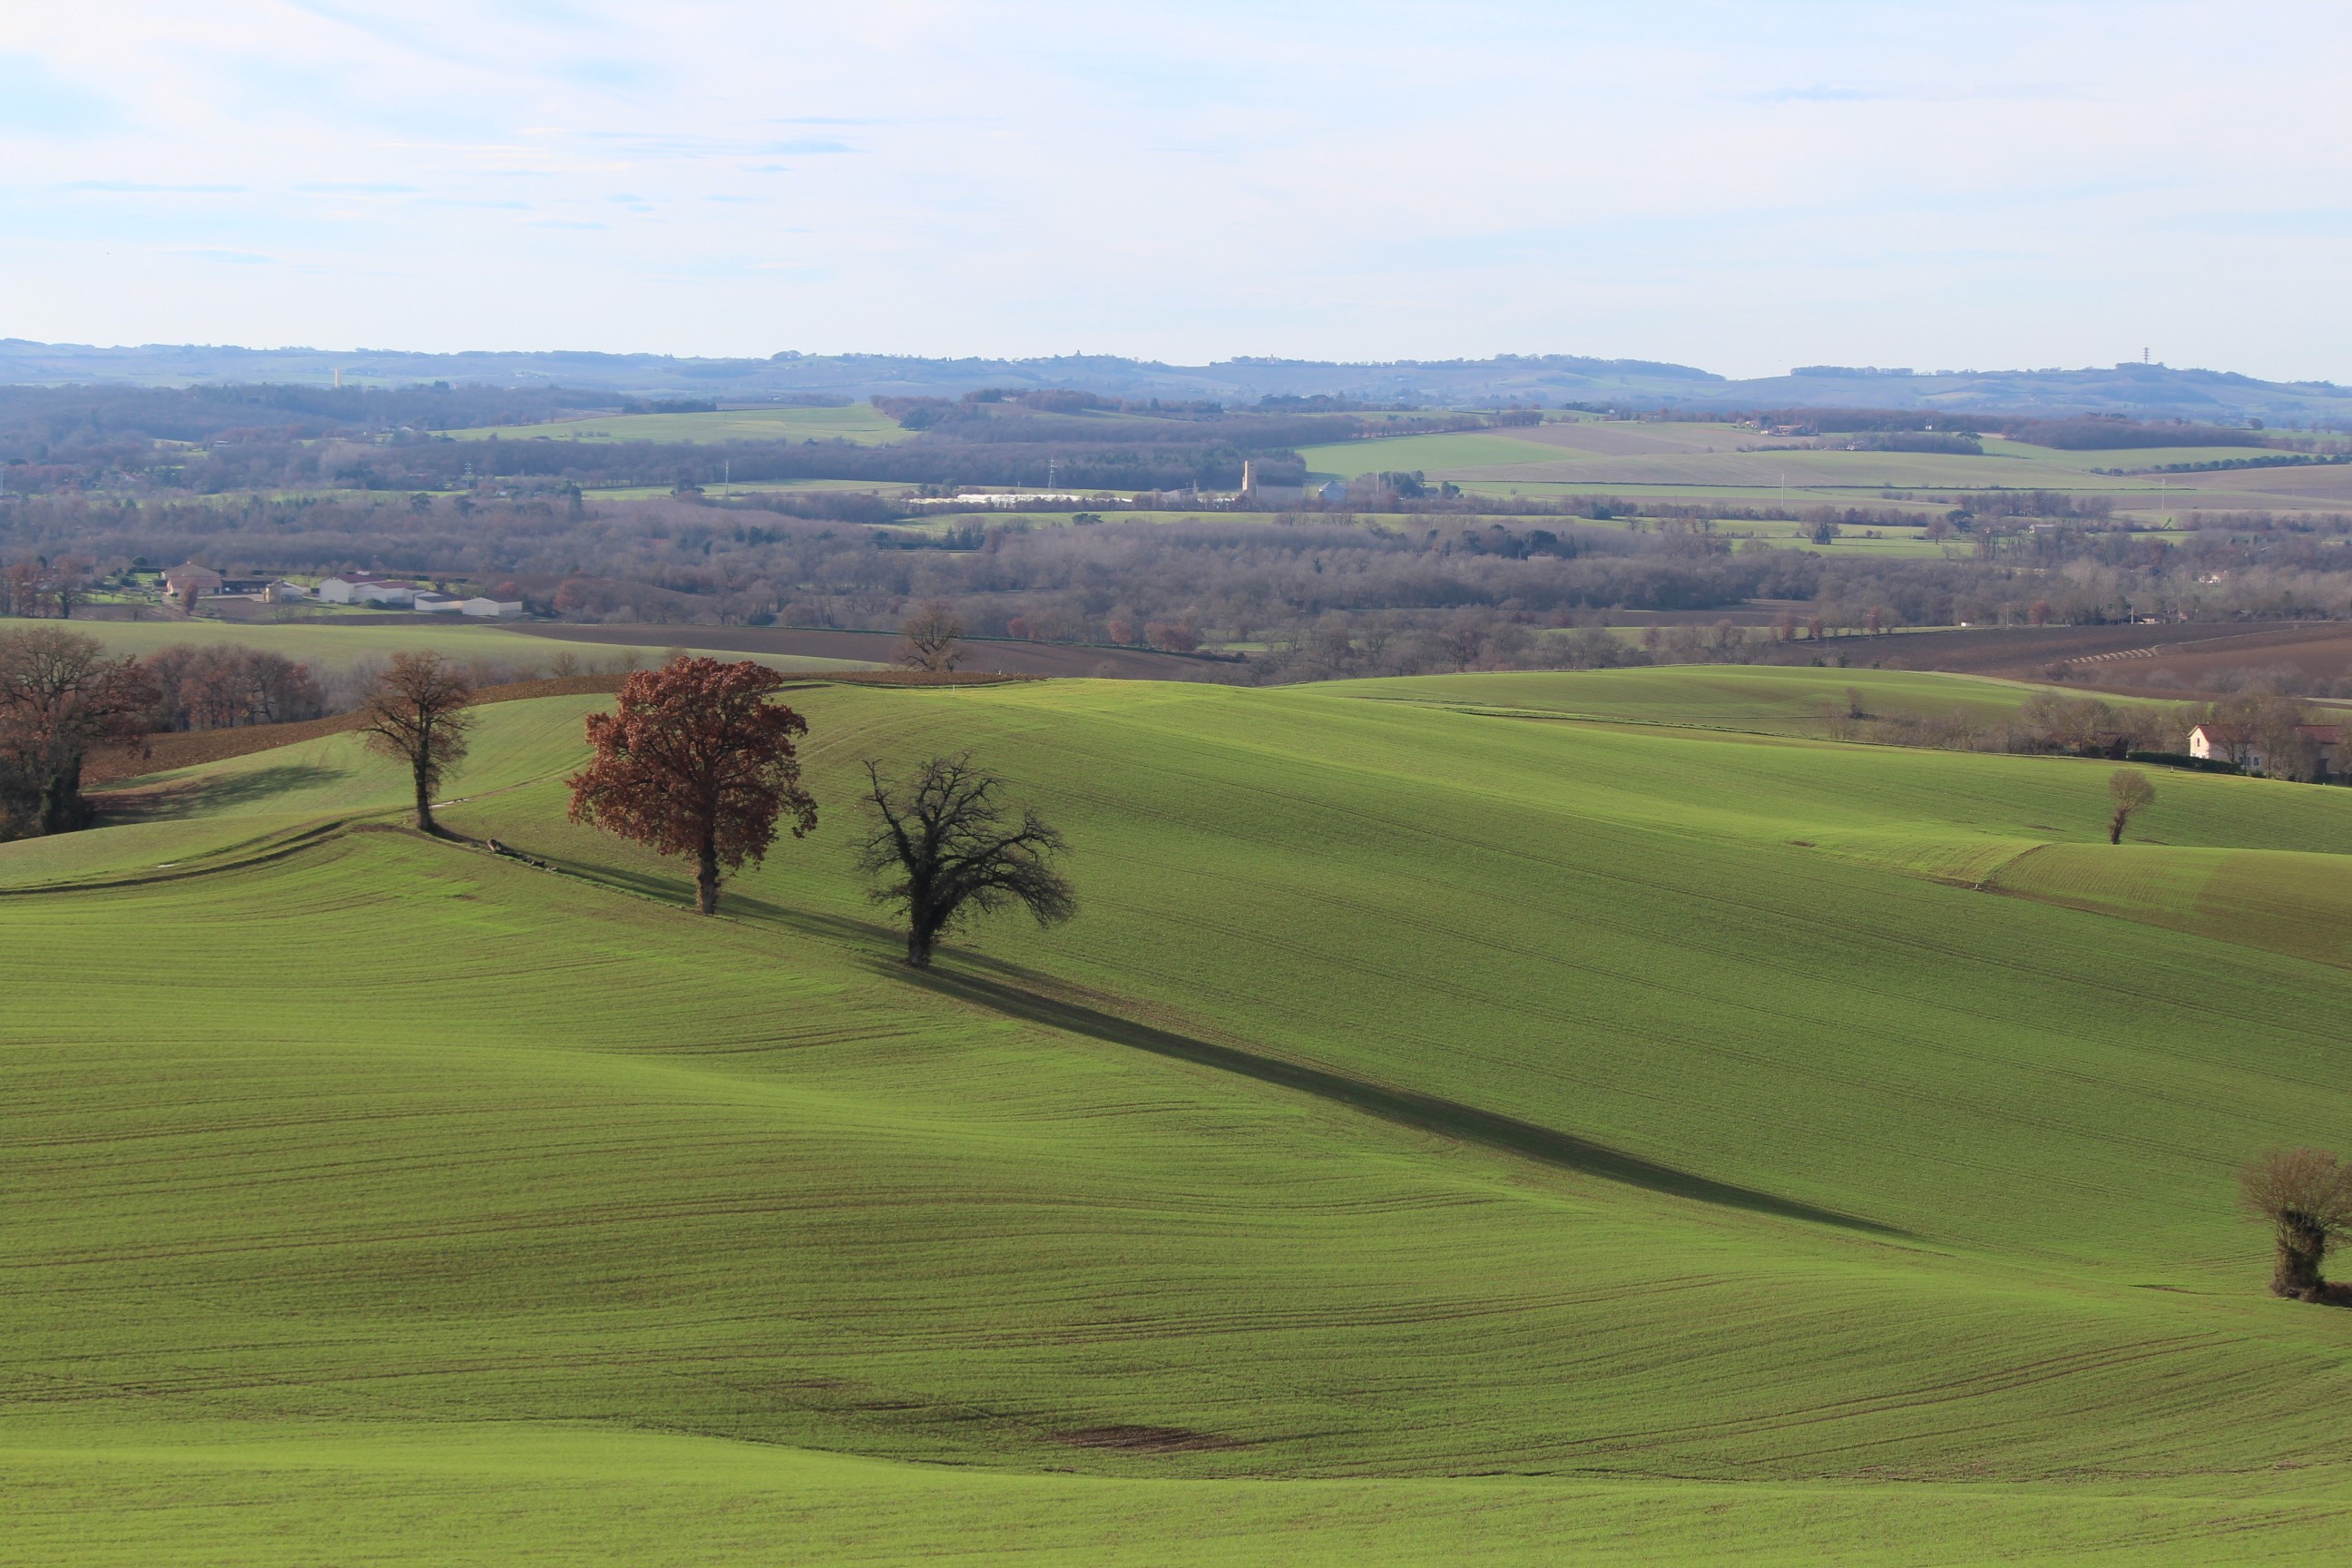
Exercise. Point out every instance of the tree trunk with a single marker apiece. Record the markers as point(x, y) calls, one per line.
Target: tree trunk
point(424, 823)
point(2301, 1246)
point(705, 875)
point(922, 928)
point(58, 791)
point(2116, 829)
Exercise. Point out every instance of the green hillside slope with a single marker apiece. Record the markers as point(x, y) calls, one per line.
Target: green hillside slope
point(192, 819)
point(1446, 1133)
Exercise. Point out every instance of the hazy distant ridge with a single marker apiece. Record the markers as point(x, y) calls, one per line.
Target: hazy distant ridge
point(2138, 389)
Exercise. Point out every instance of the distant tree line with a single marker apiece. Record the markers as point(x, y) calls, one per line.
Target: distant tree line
point(2062, 432)
point(219, 686)
point(39, 422)
point(437, 465)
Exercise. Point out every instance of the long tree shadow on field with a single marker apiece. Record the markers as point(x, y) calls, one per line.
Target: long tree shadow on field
point(225, 792)
point(1426, 1113)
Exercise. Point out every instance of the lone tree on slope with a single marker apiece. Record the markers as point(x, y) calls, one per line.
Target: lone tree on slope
point(59, 697)
point(934, 638)
point(697, 762)
point(415, 713)
point(947, 846)
point(2131, 792)
point(2307, 1197)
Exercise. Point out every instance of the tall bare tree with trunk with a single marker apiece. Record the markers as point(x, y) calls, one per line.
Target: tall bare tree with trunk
point(2131, 793)
point(415, 713)
point(60, 696)
point(2307, 1197)
point(946, 847)
point(696, 761)
point(934, 638)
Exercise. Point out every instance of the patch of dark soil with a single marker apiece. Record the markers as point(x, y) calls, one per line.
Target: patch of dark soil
point(982, 655)
point(1148, 1439)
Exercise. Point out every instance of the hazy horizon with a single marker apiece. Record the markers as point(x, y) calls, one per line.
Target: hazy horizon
point(1737, 188)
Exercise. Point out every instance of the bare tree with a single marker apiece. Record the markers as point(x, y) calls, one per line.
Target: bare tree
point(1462, 643)
point(933, 637)
point(69, 580)
point(2130, 790)
point(945, 847)
point(415, 712)
point(2307, 1197)
point(60, 695)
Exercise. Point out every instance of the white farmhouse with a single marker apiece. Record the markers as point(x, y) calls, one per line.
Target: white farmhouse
point(367, 588)
point(500, 609)
point(2227, 744)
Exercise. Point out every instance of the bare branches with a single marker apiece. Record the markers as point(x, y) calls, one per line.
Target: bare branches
point(59, 697)
point(2131, 792)
point(933, 637)
point(947, 846)
point(415, 713)
point(2307, 1197)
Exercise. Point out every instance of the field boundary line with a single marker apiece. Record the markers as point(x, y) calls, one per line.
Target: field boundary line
point(310, 837)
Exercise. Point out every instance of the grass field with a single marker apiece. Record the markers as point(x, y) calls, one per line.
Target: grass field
point(1475, 1118)
point(1755, 699)
point(1702, 461)
point(350, 640)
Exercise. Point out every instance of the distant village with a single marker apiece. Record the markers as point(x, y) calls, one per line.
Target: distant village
point(193, 585)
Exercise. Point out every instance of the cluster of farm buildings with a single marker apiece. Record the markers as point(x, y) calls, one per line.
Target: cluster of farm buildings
point(194, 582)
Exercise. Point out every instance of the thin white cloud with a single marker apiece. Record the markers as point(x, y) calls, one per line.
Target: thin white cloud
point(145, 188)
point(1730, 184)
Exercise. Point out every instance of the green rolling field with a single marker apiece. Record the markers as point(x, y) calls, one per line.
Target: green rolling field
point(1756, 698)
point(1516, 1118)
point(345, 641)
point(1698, 462)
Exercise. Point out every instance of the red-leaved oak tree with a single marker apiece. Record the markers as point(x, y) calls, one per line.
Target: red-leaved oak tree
point(697, 762)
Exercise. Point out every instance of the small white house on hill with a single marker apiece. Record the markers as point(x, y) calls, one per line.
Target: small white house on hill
point(2227, 744)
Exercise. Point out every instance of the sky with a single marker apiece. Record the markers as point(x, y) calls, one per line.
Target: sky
point(1743, 187)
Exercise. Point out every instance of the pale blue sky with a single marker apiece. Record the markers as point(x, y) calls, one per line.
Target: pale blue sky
point(1740, 186)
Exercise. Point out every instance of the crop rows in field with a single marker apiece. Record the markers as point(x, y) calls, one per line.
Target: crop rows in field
point(525, 1207)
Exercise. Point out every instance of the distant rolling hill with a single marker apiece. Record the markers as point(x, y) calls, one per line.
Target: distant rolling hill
point(2129, 388)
